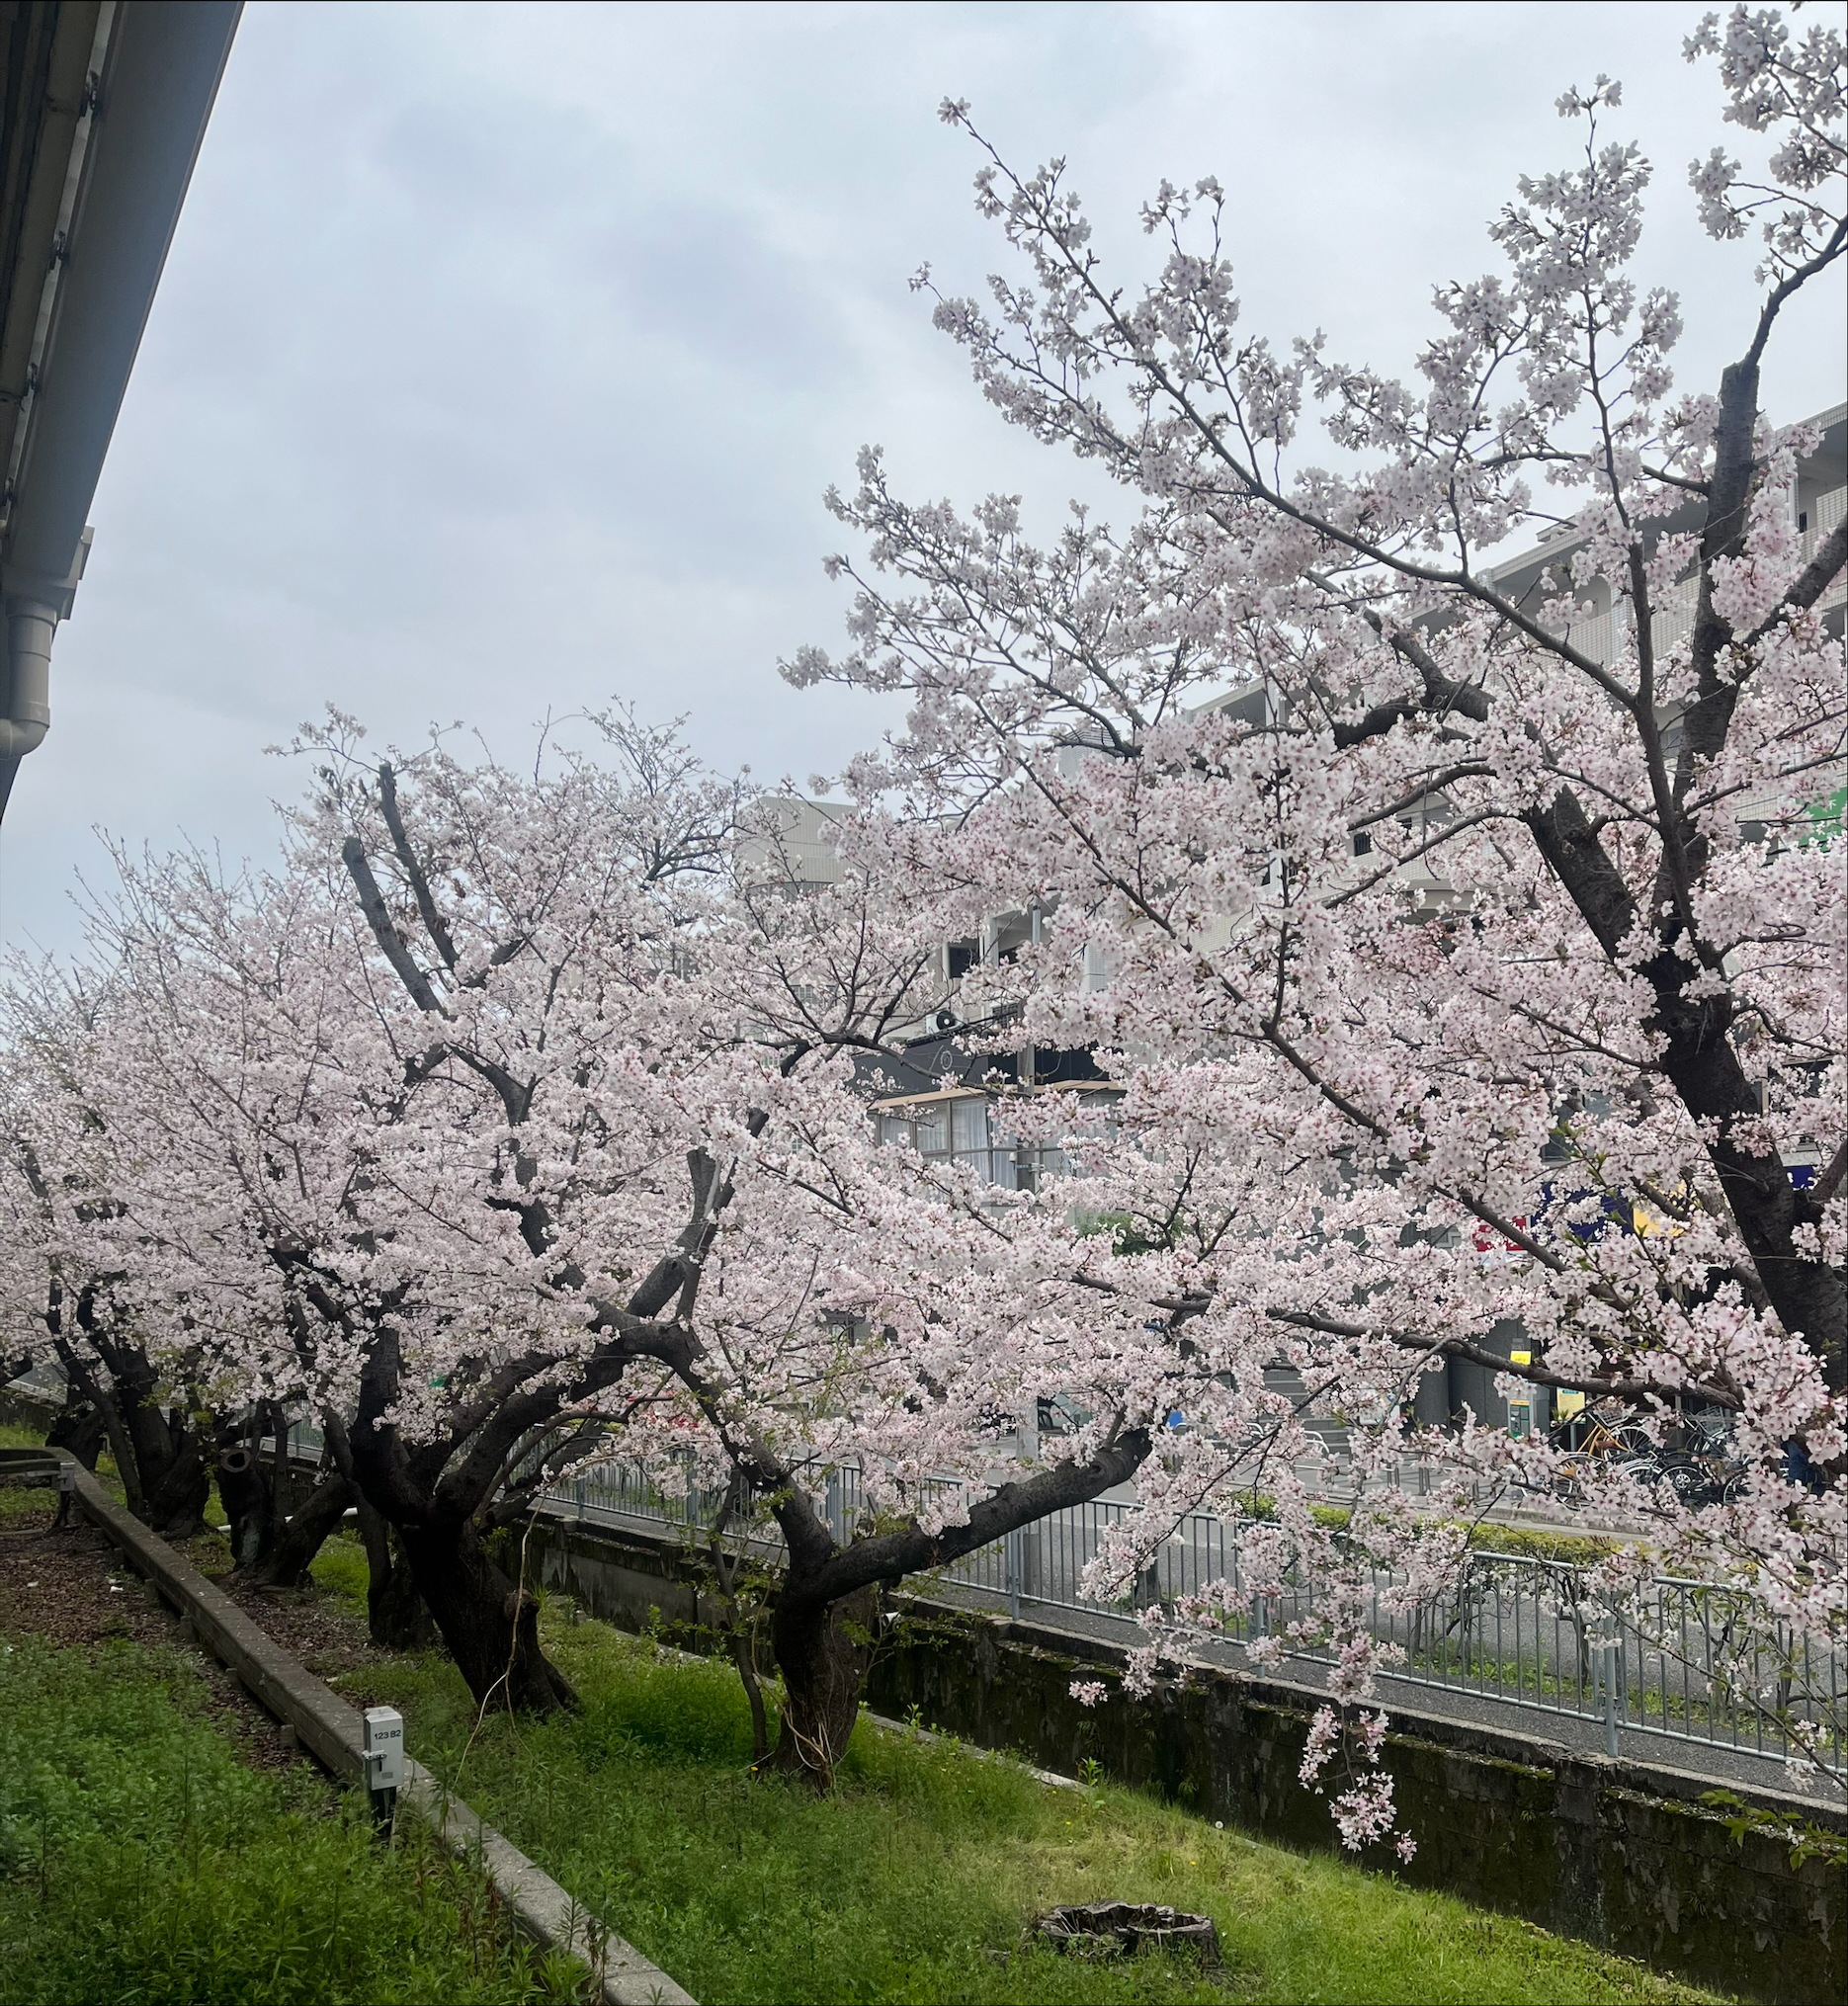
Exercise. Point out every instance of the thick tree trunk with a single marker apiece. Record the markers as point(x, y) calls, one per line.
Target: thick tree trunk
point(153, 1435)
point(823, 1650)
point(490, 1626)
point(1809, 1296)
point(176, 1481)
point(304, 1532)
point(396, 1611)
point(80, 1428)
point(165, 1475)
point(248, 1491)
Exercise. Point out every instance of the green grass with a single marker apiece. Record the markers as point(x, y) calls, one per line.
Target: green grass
point(140, 1861)
point(341, 1567)
point(916, 1880)
point(23, 1504)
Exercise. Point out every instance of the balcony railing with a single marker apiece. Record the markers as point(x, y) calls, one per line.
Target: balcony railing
point(1598, 635)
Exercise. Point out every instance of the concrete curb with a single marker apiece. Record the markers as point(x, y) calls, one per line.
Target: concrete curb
point(330, 1730)
point(542, 1909)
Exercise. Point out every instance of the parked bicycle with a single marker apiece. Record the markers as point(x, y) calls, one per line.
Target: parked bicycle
point(1697, 1464)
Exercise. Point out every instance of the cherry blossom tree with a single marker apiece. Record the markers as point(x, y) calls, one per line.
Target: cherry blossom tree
point(520, 1117)
point(1461, 975)
point(516, 1117)
point(646, 1053)
point(94, 1280)
point(64, 1299)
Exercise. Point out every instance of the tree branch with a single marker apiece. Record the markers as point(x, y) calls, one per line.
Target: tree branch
point(390, 941)
point(1539, 1376)
point(432, 920)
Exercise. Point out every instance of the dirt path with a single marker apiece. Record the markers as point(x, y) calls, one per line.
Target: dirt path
point(69, 1585)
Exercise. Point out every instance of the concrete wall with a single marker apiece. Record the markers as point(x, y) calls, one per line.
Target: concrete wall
point(1621, 1854)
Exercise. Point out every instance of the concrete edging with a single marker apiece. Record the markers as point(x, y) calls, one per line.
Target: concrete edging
point(330, 1730)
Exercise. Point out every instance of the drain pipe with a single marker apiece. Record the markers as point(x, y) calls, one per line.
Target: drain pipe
point(28, 642)
point(33, 607)
point(29, 630)
point(32, 613)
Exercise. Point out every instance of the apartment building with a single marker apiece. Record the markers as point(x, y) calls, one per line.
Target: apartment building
point(1817, 503)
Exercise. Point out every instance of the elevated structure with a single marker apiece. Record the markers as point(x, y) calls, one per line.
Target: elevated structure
point(103, 105)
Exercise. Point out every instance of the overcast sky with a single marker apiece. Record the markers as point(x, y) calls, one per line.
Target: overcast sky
point(504, 353)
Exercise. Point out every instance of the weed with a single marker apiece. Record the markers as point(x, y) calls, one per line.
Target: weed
point(915, 1879)
point(140, 1859)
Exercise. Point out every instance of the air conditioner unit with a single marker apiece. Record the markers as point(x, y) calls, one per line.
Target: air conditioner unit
point(943, 1020)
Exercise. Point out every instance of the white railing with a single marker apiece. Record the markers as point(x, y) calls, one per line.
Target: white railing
point(1697, 1662)
point(1824, 513)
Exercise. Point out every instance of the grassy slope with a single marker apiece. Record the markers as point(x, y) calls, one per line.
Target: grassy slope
point(914, 1881)
point(142, 1860)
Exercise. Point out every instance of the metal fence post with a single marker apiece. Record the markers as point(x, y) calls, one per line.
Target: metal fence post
point(1613, 1654)
point(1010, 1563)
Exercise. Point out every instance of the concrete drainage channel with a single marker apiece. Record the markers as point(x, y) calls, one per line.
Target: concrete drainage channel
point(331, 1732)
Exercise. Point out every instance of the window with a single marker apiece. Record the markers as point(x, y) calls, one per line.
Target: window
point(969, 1126)
point(972, 1131)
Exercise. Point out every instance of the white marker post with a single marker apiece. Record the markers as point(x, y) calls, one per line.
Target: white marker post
point(384, 1758)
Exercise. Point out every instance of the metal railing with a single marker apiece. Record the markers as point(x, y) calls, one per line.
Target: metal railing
point(1694, 1661)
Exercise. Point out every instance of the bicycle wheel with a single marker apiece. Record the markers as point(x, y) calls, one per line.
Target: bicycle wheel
point(1690, 1479)
point(1572, 1482)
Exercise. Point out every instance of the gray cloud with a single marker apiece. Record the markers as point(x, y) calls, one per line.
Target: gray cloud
point(504, 352)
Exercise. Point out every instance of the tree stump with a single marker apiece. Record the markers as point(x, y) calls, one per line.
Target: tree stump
point(1114, 1929)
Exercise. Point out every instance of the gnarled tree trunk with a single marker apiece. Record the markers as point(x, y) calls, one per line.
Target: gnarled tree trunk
point(157, 1445)
point(174, 1481)
point(490, 1624)
point(253, 1488)
point(80, 1428)
point(395, 1609)
point(272, 1543)
point(305, 1531)
point(824, 1652)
